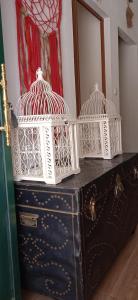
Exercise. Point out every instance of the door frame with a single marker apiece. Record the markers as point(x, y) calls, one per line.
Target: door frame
point(76, 49)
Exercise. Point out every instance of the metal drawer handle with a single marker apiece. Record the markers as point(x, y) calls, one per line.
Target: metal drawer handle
point(92, 209)
point(29, 220)
point(119, 188)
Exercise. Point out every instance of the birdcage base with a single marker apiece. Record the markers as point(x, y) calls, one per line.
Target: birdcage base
point(92, 155)
point(54, 180)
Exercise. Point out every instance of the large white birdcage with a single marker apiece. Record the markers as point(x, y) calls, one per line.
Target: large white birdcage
point(44, 146)
point(99, 128)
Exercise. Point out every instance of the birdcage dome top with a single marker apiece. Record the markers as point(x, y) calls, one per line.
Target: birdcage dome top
point(97, 104)
point(41, 100)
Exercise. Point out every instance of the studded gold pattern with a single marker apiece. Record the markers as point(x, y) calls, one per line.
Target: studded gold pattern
point(48, 200)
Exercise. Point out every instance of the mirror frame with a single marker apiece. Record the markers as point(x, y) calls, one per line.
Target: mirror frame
point(76, 49)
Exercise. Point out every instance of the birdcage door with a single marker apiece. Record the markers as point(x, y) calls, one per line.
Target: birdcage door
point(9, 272)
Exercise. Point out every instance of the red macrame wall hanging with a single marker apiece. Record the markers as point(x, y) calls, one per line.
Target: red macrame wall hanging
point(38, 32)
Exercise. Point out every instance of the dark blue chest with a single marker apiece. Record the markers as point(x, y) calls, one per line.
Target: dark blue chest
point(70, 234)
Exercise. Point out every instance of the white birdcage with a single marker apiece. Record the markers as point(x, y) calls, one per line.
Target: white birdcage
point(44, 146)
point(99, 128)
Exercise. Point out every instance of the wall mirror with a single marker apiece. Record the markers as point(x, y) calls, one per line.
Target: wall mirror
point(89, 53)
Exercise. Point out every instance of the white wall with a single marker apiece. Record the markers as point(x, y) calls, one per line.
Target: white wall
point(128, 71)
point(89, 37)
point(67, 52)
point(128, 97)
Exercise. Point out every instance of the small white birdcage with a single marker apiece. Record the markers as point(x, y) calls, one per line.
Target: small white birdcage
point(44, 146)
point(99, 128)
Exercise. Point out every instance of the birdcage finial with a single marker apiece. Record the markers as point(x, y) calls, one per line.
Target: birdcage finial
point(96, 87)
point(39, 74)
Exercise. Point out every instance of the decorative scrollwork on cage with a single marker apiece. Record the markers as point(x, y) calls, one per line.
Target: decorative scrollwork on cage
point(44, 146)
